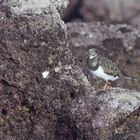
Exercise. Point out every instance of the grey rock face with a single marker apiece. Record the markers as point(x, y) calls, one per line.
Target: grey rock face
point(33, 40)
point(108, 11)
point(96, 118)
point(60, 4)
point(35, 6)
point(43, 92)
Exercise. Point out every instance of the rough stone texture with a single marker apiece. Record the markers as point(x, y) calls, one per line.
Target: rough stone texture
point(108, 10)
point(35, 6)
point(100, 120)
point(129, 129)
point(122, 11)
point(117, 42)
point(33, 44)
point(61, 5)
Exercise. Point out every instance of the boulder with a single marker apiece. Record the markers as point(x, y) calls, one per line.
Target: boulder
point(44, 93)
point(33, 46)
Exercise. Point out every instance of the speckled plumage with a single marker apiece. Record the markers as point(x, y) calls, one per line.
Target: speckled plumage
point(96, 61)
point(109, 67)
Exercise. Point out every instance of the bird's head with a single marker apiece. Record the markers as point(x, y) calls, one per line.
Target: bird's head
point(92, 53)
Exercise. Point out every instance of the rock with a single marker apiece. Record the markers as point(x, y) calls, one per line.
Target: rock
point(129, 129)
point(96, 118)
point(35, 7)
point(41, 84)
point(33, 41)
point(61, 5)
point(108, 11)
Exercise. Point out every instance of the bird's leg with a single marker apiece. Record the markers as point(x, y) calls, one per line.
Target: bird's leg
point(106, 86)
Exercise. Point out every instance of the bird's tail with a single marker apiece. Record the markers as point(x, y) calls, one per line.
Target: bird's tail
point(126, 76)
point(129, 77)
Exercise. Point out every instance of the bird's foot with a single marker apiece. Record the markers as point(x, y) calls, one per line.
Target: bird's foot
point(106, 86)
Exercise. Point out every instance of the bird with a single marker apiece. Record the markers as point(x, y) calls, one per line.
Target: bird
point(104, 68)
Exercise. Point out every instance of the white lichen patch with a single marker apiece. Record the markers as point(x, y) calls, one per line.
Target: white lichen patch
point(35, 6)
point(45, 74)
point(59, 4)
point(125, 101)
point(122, 100)
point(57, 69)
point(28, 6)
point(68, 67)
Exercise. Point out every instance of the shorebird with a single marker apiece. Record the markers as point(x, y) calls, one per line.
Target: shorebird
point(104, 68)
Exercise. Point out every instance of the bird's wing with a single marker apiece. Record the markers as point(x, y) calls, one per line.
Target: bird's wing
point(109, 67)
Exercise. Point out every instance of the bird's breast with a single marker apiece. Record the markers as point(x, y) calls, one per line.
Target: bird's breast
point(99, 72)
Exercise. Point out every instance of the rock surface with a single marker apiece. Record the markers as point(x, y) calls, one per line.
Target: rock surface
point(97, 120)
point(33, 40)
point(43, 92)
point(108, 11)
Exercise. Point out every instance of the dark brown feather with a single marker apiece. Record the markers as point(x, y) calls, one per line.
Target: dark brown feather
point(109, 67)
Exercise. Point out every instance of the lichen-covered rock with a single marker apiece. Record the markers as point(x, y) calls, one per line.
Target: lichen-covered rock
point(33, 40)
point(42, 86)
point(108, 11)
point(60, 5)
point(96, 118)
point(35, 6)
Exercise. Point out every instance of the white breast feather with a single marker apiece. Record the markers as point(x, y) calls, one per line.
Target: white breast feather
point(91, 57)
point(100, 73)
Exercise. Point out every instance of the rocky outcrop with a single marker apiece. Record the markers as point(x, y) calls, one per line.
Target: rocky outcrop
point(43, 92)
point(108, 11)
point(33, 41)
point(97, 119)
